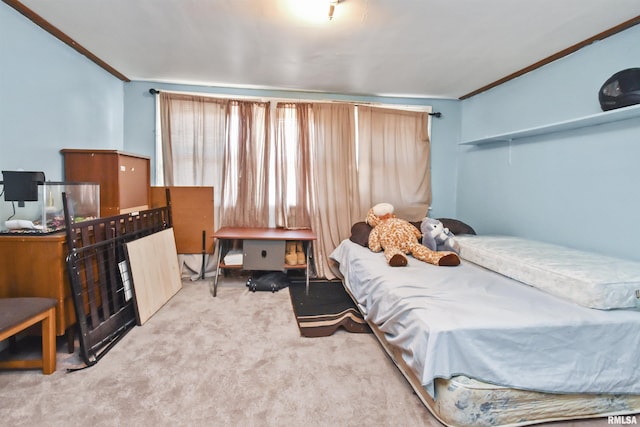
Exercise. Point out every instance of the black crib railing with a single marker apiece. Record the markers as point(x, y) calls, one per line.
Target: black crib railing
point(99, 275)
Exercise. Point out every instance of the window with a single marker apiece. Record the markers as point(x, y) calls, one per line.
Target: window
point(296, 164)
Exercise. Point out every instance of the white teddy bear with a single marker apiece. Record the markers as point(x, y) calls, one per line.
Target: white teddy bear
point(437, 237)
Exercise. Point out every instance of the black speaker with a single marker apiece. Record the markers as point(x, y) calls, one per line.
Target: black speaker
point(620, 90)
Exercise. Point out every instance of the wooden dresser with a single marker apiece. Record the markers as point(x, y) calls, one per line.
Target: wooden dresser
point(124, 178)
point(34, 266)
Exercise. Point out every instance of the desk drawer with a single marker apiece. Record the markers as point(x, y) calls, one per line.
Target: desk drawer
point(263, 255)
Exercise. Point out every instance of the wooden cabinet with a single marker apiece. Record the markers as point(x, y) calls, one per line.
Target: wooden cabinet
point(124, 178)
point(34, 266)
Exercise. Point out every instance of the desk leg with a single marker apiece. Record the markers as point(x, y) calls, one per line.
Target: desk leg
point(307, 270)
point(214, 289)
point(204, 254)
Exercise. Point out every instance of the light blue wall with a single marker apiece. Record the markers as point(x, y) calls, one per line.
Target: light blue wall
point(139, 128)
point(51, 97)
point(580, 188)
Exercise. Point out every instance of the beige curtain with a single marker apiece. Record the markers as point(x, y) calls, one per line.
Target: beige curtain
point(193, 130)
point(193, 140)
point(316, 181)
point(334, 187)
point(246, 166)
point(292, 165)
point(393, 160)
point(223, 143)
point(312, 173)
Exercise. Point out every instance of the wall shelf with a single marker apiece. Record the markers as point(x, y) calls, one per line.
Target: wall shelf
point(610, 116)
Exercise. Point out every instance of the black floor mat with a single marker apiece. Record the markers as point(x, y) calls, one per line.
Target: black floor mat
point(325, 308)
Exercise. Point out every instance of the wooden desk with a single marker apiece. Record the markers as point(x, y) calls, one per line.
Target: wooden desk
point(270, 234)
point(34, 266)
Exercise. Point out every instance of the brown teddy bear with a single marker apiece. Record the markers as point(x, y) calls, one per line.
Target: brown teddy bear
point(398, 237)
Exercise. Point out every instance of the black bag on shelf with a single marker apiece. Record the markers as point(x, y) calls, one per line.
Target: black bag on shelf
point(620, 90)
point(272, 281)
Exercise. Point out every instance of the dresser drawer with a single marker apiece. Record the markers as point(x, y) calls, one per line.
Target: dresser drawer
point(263, 255)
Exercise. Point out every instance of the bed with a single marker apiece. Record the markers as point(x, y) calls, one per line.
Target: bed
point(481, 348)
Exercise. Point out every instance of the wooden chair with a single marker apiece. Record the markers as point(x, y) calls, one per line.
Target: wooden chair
point(16, 315)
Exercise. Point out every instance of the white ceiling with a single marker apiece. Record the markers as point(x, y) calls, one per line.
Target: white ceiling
point(421, 48)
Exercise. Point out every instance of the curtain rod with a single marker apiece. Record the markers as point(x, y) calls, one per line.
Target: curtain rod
point(436, 114)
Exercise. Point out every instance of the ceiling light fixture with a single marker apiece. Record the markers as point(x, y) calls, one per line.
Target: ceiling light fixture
point(332, 8)
point(314, 11)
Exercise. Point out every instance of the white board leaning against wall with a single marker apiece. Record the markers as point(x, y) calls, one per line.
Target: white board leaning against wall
point(155, 272)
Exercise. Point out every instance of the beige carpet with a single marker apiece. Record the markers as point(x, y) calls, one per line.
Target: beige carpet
point(234, 360)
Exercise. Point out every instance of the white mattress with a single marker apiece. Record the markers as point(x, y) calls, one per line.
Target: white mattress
point(466, 320)
point(588, 279)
